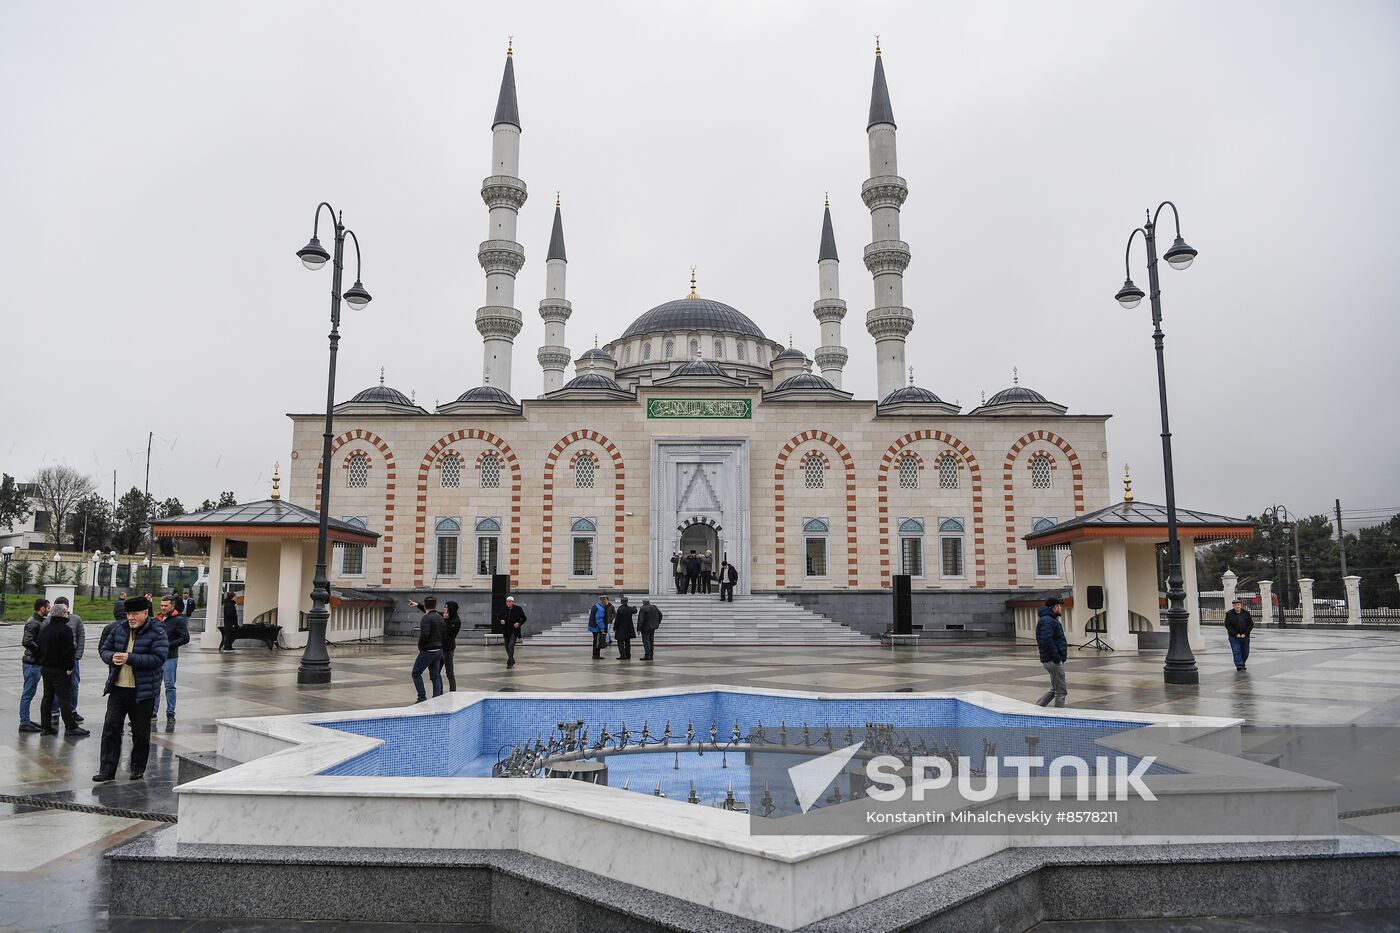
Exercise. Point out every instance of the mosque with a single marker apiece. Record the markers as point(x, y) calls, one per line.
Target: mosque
point(694, 429)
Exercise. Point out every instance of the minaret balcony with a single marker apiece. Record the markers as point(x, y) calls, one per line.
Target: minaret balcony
point(884, 256)
point(555, 310)
point(498, 321)
point(505, 256)
point(828, 358)
point(829, 309)
point(884, 191)
point(889, 323)
point(554, 359)
point(503, 191)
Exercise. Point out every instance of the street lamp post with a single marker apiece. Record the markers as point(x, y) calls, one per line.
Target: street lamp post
point(6, 553)
point(111, 571)
point(96, 572)
point(1273, 512)
point(315, 661)
point(1180, 665)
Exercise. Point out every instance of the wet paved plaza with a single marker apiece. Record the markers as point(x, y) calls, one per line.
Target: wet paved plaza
point(52, 875)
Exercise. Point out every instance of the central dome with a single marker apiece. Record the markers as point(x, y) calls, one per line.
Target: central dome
point(694, 314)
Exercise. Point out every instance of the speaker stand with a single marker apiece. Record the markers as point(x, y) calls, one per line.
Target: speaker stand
point(1097, 644)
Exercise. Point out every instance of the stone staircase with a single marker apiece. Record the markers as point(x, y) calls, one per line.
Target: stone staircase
point(762, 619)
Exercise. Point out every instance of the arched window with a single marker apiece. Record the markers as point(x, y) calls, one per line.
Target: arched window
point(814, 534)
point(669, 351)
point(490, 472)
point(488, 545)
point(947, 472)
point(719, 349)
point(908, 472)
point(911, 546)
point(352, 556)
point(357, 471)
point(950, 547)
point(1040, 471)
point(646, 351)
point(1047, 559)
point(694, 347)
point(448, 532)
point(627, 356)
point(739, 351)
point(813, 472)
point(451, 472)
point(585, 545)
point(584, 469)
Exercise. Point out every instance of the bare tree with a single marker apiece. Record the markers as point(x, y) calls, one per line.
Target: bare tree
point(59, 489)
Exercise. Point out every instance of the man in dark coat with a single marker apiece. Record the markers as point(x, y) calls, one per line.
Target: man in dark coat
point(33, 673)
point(511, 625)
point(623, 629)
point(134, 650)
point(728, 576)
point(56, 660)
point(451, 627)
point(119, 607)
point(230, 610)
point(177, 632)
point(1054, 651)
point(648, 621)
point(692, 572)
point(1238, 624)
point(75, 624)
point(707, 570)
point(678, 570)
point(429, 658)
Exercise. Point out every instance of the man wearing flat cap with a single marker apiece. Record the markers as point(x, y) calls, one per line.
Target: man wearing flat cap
point(1238, 624)
point(134, 650)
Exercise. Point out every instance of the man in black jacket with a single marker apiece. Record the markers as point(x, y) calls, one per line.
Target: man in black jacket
point(429, 650)
point(728, 576)
point(692, 572)
point(177, 631)
point(33, 673)
point(648, 621)
point(1238, 625)
point(55, 653)
point(134, 650)
point(511, 626)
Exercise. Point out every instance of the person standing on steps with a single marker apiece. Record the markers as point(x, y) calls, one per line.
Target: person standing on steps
point(55, 651)
point(678, 570)
point(728, 577)
point(1054, 651)
point(511, 626)
point(707, 570)
point(692, 572)
point(1238, 625)
point(623, 629)
point(134, 650)
point(598, 626)
point(648, 621)
point(451, 627)
point(429, 650)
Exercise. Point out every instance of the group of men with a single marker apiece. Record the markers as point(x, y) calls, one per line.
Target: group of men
point(694, 573)
point(625, 622)
point(142, 657)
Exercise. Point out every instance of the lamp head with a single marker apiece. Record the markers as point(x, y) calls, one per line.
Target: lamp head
point(1180, 256)
point(356, 296)
point(1129, 296)
point(313, 255)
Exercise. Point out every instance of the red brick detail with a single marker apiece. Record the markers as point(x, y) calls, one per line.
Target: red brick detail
point(780, 508)
point(1008, 475)
point(498, 448)
point(390, 475)
point(619, 503)
point(965, 458)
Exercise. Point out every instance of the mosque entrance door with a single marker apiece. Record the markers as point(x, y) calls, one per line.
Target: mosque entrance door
point(700, 500)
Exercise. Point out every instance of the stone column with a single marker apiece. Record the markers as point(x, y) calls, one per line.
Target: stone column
point(1266, 603)
point(1227, 583)
point(1353, 585)
point(290, 592)
point(1305, 597)
point(214, 612)
point(164, 576)
point(1115, 580)
point(1193, 596)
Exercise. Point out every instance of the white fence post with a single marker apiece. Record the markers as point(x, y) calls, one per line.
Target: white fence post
point(1305, 598)
point(1227, 583)
point(1266, 603)
point(1353, 585)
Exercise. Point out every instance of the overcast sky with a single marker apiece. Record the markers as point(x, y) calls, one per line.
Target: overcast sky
point(161, 162)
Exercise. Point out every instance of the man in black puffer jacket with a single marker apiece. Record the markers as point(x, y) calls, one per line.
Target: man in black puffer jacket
point(56, 653)
point(1054, 651)
point(134, 650)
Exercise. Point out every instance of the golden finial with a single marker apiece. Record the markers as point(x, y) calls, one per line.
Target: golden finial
point(877, 45)
point(692, 284)
point(276, 481)
point(1127, 485)
point(510, 46)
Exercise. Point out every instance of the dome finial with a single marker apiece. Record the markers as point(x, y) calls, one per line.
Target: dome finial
point(984, 396)
point(381, 375)
point(877, 45)
point(595, 340)
point(510, 46)
point(692, 284)
point(556, 199)
point(276, 481)
point(789, 340)
point(1127, 485)
point(826, 199)
point(911, 375)
point(1015, 376)
point(413, 396)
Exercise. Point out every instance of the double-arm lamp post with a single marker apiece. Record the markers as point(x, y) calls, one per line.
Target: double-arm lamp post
point(1281, 588)
point(1180, 666)
point(315, 662)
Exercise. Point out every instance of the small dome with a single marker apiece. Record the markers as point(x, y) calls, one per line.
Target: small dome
point(908, 394)
point(486, 394)
point(1017, 394)
point(791, 353)
point(597, 354)
point(592, 381)
point(382, 395)
point(698, 367)
point(694, 314)
point(805, 381)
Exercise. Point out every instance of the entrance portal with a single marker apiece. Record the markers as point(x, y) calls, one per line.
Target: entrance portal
point(700, 500)
point(702, 538)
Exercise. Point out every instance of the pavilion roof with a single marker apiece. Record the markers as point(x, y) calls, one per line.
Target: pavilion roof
point(1132, 519)
point(268, 518)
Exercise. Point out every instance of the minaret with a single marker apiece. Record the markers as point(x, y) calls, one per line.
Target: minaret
point(554, 356)
point(500, 255)
point(887, 256)
point(831, 356)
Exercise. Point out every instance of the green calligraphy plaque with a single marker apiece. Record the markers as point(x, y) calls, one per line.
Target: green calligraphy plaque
point(699, 408)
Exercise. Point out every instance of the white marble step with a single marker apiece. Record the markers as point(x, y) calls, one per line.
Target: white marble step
point(701, 619)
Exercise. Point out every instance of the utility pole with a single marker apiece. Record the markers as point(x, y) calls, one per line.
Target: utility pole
point(1341, 538)
point(149, 437)
point(114, 491)
point(1297, 564)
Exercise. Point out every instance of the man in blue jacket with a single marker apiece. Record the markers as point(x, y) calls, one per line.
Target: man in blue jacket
point(177, 633)
point(134, 650)
point(1054, 650)
point(598, 626)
